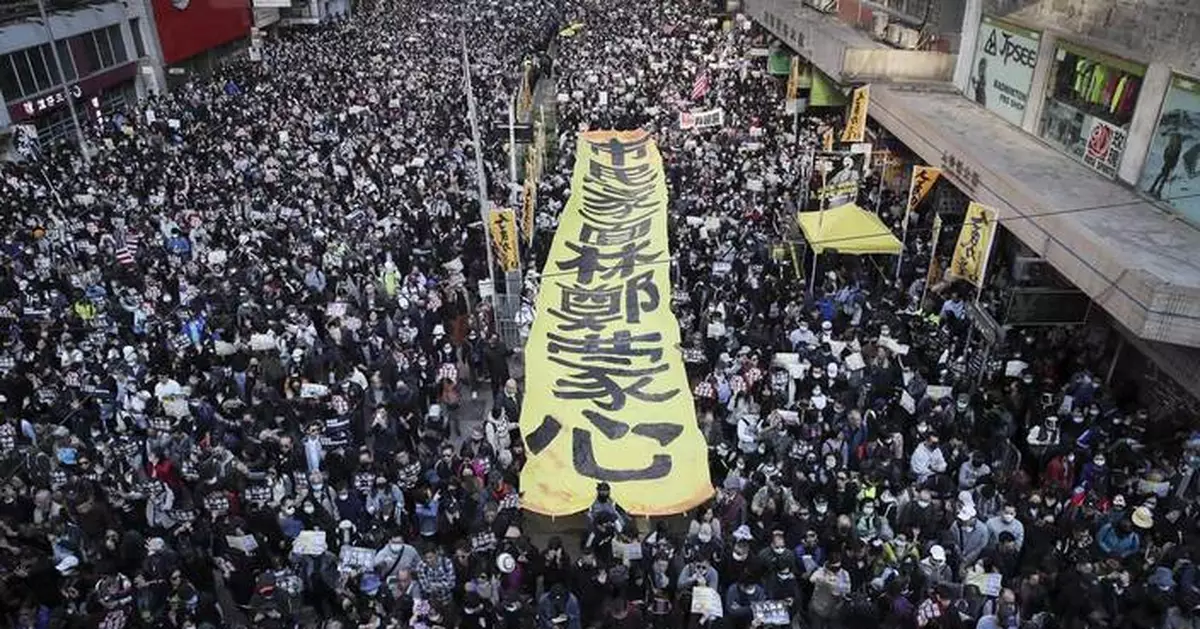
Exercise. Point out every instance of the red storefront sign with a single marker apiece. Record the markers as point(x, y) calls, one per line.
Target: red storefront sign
point(34, 107)
point(187, 28)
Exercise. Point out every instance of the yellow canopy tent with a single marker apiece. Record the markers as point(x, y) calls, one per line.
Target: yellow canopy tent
point(847, 229)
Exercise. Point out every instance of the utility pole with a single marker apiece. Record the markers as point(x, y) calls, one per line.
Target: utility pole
point(480, 175)
point(66, 91)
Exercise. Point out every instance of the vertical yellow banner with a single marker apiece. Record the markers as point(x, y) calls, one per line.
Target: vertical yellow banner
point(827, 140)
point(856, 120)
point(504, 238)
point(974, 244)
point(611, 402)
point(923, 178)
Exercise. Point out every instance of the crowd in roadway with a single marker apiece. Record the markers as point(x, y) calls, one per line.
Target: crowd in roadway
point(241, 345)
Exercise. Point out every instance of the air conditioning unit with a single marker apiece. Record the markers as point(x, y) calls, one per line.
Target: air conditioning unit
point(903, 37)
point(879, 28)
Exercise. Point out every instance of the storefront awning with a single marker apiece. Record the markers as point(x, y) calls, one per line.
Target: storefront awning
point(1141, 265)
point(847, 229)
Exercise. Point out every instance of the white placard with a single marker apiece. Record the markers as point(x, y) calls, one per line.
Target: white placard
point(244, 543)
point(310, 543)
point(310, 390)
point(908, 403)
point(706, 602)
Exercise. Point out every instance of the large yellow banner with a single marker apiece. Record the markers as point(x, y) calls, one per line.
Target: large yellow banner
point(974, 244)
point(856, 120)
point(504, 238)
point(609, 399)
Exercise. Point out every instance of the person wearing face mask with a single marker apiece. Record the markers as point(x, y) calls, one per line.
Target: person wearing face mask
point(1006, 522)
point(927, 460)
point(919, 518)
point(1095, 475)
point(870, 524)
point(968, 538)
point(972, 470)
point(934, 567)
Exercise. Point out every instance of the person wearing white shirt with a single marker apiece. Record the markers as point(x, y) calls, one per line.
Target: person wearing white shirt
point(927, 459)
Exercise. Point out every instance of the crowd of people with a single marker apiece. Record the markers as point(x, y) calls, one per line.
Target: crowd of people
point(242, 341)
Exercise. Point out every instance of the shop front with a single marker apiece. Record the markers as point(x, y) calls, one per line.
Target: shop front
point(1089, 106)
point(96, 98)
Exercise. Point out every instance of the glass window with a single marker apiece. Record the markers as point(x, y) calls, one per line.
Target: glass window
point(135, 27)
point(1170, 172)
point(51, 67)
point(83, 50)
point(64, 56)
point(105, 47)
point(118, 44)
point(10, 87)
point(1089, 103)
point(41, 74)
point(24, 72)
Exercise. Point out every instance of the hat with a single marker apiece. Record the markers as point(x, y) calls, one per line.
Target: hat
point(505, 563)
point(826, 325)
point(937, 553)
point(705, 534)
point(742, 533)
point(966, 513)
point(1143, 518)
point(512, 532)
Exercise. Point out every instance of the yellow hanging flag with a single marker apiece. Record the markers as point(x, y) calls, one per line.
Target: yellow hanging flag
point(923, 178)
point(827, 139)
point(504, 238)
point(612, 402)
point(974, 244)
point(856, 120)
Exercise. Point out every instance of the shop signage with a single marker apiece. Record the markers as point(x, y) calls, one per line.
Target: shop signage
point(1003, 69)
point(90, 86)
point(1105, 145)
point(966, 175)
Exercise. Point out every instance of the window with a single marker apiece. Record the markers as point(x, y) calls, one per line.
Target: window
point(41, 74)
point(24, 72)
point(10, 87)
point(118, 44)
point(83, 50)
point(135, 27)
point(1170, 173)
point(51, 66)
point(105, 47)
point(64, 56)
point(1089, 105)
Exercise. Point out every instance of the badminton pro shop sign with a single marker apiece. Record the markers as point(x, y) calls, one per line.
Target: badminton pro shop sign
point(1002, 74)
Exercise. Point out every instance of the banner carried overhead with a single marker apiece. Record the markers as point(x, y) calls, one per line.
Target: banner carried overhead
point(613, 404)
point(504, 238)
point(974, 244)
point(856, 120)
point(701, 119)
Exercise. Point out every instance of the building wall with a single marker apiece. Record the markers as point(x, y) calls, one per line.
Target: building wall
point(1166, 31)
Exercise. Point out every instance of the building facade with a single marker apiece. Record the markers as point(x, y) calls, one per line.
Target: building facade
point(103, 55)
point(1078, 120)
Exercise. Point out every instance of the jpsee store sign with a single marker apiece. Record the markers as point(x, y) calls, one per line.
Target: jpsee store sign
point(1002, 73)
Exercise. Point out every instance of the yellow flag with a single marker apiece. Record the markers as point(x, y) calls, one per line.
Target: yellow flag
point(528, 208)
point(923, 178)
point(611, 401)
point(974, 244)
point(827, 140)
point(793, 85)
point(504, 238)
point(856, 120)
